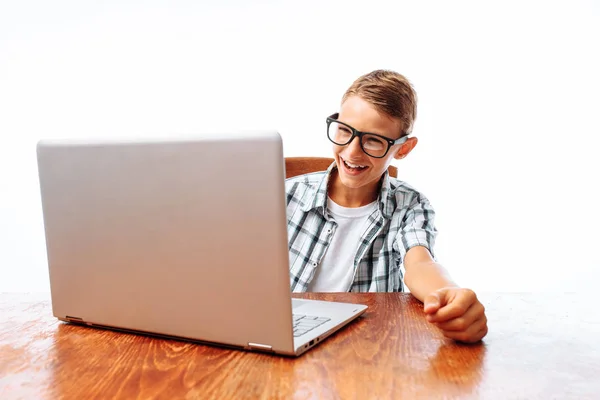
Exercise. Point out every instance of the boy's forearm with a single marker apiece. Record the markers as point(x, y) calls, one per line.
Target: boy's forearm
point(426, 277)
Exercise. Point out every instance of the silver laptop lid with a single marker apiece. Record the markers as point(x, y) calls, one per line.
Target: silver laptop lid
point(183, 237)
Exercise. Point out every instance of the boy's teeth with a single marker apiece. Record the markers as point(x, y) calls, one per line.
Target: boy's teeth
point(353, 165)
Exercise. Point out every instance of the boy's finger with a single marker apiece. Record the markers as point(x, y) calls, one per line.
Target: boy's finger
point(474, 334)
point(432, 303)
point(463, 322)
point(454, 309)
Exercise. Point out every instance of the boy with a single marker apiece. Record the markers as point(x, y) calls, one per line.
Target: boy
point(352, 227)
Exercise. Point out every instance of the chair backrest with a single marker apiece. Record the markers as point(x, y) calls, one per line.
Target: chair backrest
point(295, 166)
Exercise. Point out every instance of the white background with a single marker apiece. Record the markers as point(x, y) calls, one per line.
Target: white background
point(509, 100)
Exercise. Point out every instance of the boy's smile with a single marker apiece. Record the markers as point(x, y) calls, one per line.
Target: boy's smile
point(351, 168)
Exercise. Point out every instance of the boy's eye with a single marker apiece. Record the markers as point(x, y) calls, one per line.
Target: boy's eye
point(374, 143)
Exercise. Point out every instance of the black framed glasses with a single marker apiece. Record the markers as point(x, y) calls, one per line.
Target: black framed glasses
point(374, 145)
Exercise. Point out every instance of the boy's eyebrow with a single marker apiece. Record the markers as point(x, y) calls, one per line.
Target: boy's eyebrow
point(336, 117)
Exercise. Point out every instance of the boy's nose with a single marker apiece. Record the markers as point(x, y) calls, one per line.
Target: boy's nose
point(354, 148)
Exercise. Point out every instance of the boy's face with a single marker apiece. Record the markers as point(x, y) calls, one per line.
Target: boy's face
point(364, 172)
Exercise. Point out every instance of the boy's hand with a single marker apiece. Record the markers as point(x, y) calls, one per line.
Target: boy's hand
point(458, 313)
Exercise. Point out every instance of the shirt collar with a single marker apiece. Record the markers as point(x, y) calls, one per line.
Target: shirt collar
point(317, 195)
point(317, 198)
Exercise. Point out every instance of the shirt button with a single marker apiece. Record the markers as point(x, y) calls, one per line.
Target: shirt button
point(314, 264)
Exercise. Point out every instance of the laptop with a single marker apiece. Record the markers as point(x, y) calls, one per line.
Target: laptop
point(179, 237)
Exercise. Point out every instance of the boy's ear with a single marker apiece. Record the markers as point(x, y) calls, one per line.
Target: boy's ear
point(406, 148)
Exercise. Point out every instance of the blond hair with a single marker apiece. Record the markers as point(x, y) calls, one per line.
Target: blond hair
point(390, 93)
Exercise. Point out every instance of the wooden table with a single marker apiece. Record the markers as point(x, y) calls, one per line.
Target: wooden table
point(542, 346)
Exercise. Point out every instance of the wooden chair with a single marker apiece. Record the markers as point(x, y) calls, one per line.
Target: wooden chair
point(295, 166)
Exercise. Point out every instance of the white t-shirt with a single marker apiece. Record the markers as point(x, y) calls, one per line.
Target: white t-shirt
point(336, 270)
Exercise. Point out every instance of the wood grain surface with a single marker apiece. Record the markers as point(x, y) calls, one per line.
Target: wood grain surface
point(540, 346)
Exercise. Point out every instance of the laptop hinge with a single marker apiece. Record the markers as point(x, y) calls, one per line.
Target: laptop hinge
point(258, 346)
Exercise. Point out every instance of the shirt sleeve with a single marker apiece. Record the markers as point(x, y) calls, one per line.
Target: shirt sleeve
point(417, 227)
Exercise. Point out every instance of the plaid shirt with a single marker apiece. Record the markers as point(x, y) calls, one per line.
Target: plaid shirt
point(404, 219)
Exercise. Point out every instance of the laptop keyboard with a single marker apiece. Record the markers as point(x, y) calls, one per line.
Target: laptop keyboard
point(306, 323)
